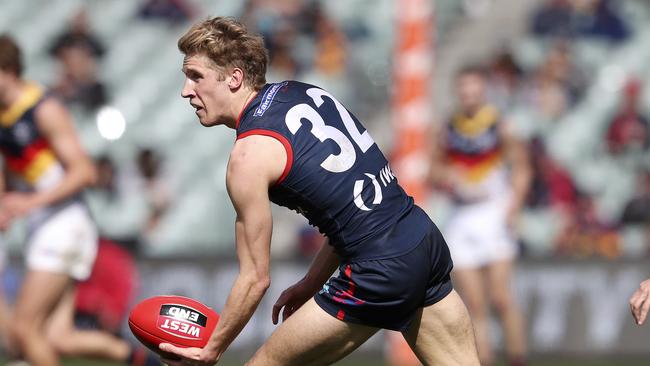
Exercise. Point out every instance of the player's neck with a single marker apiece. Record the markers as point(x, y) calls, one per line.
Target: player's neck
point(471, 111)
point(243, 99)
point(11, 94)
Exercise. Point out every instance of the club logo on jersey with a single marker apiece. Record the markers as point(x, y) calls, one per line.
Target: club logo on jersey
point(267, 98)
point(181, 321)
point(385, 176)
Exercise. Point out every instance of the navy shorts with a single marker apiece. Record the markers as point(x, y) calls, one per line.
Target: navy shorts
point(386, 293)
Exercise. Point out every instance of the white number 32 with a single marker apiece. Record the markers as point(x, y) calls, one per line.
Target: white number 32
point(346, 158)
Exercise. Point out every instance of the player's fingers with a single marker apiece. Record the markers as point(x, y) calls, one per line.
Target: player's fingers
point(633, 305)
point(643, 312)
point(639, 314)
point(276, 310)
point(288, 310)
point(636, 312)
point(189, 353)
point(279, 304)
point(274, 315)
point(633, 310)
point(638, 299)
point(634, 297)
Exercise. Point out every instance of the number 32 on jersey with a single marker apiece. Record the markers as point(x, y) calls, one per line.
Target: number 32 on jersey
point(346, 158)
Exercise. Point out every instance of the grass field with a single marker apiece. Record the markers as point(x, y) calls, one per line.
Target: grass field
point(358, 361)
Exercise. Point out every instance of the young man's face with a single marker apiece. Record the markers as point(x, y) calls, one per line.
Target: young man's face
point(207, 90)
point(471, 91)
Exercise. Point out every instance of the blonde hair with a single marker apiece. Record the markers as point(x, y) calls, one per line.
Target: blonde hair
point(227, 43)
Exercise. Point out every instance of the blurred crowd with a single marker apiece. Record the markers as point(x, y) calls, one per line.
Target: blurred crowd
point(305, 42)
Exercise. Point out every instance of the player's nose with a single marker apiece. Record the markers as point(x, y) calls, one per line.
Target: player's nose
point(187, 91)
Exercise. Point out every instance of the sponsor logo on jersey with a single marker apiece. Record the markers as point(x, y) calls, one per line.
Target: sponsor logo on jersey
point(267, 98)
point(385, 175)
point(181, 321)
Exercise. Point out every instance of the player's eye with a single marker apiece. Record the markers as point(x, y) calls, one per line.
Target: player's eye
point(193, 75)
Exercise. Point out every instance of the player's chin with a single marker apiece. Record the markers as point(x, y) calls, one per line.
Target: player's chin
point(204, 120)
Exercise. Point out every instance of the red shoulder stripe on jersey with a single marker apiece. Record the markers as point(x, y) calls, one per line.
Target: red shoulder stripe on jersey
point(285, 143)
point(241, 113)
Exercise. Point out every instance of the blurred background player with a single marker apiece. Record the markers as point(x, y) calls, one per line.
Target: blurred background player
point(486, 173)
point(48, 169)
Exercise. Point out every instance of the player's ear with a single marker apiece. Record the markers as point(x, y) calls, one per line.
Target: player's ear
point(236, 78)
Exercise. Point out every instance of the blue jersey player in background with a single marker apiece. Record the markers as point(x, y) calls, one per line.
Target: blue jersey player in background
point(298, 147)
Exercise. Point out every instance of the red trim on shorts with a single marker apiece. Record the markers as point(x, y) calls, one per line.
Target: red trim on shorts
point(241, 113)
point(285, 143)
point(341, 296)
point(348, 273)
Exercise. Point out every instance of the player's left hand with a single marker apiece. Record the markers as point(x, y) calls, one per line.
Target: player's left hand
point(640, 302)
point(18, 204)
point(189, 356)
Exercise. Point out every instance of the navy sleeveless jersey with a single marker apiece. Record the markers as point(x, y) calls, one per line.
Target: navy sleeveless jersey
point(335, 175)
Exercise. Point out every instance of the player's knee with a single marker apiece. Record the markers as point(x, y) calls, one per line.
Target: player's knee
point(502, 304)
point(61, 343)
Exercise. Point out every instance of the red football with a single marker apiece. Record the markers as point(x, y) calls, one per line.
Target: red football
point(178, 320)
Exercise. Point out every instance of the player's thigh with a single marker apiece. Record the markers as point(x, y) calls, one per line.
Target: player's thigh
point(470, 283)
point(311, 337)
point(499, 274)
point(441, 334)
point(39, 295)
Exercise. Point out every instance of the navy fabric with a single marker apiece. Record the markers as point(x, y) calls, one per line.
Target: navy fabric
point(337, 178)
point(386, 293)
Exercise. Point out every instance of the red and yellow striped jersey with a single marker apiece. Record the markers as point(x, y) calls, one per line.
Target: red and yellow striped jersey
point(26, 152)
point(473, 143)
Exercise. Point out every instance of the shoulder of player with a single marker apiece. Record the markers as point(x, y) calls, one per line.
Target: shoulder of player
point(50, 112)
point(256, 154)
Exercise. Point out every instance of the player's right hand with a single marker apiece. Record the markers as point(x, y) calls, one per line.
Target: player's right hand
point(292, 299)
point(640, 302)
point(190, 356)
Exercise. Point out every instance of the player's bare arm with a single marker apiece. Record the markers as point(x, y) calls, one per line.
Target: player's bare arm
point(521, 175)
point(640, 302)
point(322, 267)
point(56, 126)
point(256, 162)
